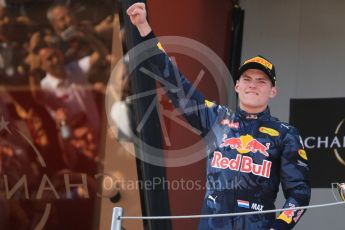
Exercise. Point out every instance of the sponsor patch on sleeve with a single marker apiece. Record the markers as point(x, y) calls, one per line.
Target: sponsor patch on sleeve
point(159, 45)
point(289, 215)
point(269, 131)
point(299, 214)
point(209, 104)
point(286, 216)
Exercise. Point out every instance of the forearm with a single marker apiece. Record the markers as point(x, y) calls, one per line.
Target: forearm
point(199, 112)
point(159, 66)
point(294, 176)
point(144, 29)
point(288, 219)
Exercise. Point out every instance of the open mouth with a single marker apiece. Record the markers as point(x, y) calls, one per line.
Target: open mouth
point(252, 93)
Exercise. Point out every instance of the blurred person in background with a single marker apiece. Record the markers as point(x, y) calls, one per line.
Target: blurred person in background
point(64, 22)
point(68, 96)
point(67, 27)
point(14, 34)
point(73, 123)
point(3, 14)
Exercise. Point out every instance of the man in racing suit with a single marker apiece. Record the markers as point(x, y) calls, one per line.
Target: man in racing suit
point(249, 152)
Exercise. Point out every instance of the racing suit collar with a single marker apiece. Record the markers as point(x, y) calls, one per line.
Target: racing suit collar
point(253, 116)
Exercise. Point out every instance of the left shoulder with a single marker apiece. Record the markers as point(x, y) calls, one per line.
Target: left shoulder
point(288, 128)
point(283, 127)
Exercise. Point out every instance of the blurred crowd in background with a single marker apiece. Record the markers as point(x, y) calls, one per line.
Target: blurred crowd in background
point(55, 59)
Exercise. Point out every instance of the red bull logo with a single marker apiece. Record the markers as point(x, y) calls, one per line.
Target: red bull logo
point(245, 144)
point(233, 142)
point(288, 214)
point(241, 163)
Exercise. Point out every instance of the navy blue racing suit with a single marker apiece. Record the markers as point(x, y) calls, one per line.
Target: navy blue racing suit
point(248, 156)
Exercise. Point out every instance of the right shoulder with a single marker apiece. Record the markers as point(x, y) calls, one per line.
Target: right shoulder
point(223, 112)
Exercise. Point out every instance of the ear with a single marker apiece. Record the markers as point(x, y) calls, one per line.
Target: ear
point(273, 92)
point(236, 86)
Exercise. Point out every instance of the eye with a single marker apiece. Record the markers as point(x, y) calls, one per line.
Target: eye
point(262, 81)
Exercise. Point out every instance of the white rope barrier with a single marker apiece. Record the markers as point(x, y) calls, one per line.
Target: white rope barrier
point(229, 214)
point(117, 214)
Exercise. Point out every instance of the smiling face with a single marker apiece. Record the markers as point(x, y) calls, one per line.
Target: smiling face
point(254, 90)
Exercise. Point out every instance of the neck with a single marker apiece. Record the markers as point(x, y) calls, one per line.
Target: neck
point(252, 110)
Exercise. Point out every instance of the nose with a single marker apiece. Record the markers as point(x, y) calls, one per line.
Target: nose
point(252, 84)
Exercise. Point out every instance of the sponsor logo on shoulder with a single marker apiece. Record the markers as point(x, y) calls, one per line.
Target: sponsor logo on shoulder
point(300, 163)
point(302, 153)
point(159, 45)
point(231, 124)
point(286, 126)
point(209, 104)
point(269, 131)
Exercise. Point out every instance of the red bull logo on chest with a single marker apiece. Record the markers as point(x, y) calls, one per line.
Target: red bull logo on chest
point(241, 163)
point(245, 144)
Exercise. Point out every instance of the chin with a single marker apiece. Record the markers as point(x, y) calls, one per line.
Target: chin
point(251, 102)
point(252, 105)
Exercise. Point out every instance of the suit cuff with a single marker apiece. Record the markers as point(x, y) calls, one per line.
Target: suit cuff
point(148, 36)
point(280, 225)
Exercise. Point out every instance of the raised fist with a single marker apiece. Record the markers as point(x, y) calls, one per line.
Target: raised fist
point(137, 13)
